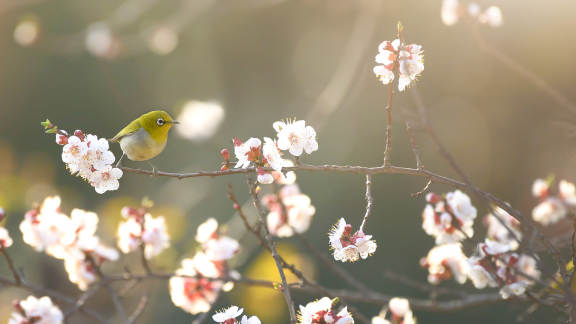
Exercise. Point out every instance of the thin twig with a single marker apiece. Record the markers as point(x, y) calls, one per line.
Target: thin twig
point(15, 273)
point(285, 290)
point(139, 310)
point(368, 202)
point(513, 65)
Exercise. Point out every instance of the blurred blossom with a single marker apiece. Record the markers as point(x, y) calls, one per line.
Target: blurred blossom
point(350, 246)
point(193, 294)
point(162, 41)
point(491, 16)
point(217, 246)
point(37, 311)
point(200, 120)
point(72, 239)
point(321, 311)
point(27, 31)
point(293, 214)
point(449, 219)
point(446, 261)
point(552, 208)
point(141, 228)
point(100, 41)
point(450, 12)
point(398, 311)
point(196, 295)
point(495, 265)
point(499, 225)
point(5, 239)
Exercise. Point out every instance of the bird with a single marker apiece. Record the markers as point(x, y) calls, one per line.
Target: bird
point(145, 137)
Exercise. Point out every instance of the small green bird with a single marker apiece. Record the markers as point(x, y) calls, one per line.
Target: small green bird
point(145, 137)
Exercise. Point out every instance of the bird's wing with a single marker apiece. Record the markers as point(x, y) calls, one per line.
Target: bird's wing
point(131, 128)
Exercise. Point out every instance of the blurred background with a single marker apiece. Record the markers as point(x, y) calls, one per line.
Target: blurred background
point(97, 65)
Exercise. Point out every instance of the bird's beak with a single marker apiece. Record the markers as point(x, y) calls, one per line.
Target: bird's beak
point(174, 122)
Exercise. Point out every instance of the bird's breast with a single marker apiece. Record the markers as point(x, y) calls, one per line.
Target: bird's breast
point(140, 146)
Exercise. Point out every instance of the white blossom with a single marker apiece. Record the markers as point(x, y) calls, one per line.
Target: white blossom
point(552, 208)
point(42, 228)
point(549, 211)
point(540, 188)
point(140, 227)
point(90, 158)
point(296, 137)
point(320, 312)
point(207, 230)
point(350, 246)
point(399, 310)
point(71, 239)
point(36, 310)
point(247, 152)
point(451, 11)
point(502, 227)
point(446, 261)
point(194, 293)
point(251, 320)
point(294, 216)
point(407, 58)
point(449, 219)
point(227, 314)
point(222, 248)
point(5, 239)
point(495, 265)
point(272, 154)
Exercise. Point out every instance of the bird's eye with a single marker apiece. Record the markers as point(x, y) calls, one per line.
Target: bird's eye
point(160, 122)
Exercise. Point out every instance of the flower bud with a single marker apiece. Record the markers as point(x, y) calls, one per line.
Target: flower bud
point(225, 154)
point(78, 133)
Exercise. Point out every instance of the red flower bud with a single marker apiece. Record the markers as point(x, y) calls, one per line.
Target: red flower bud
point(225, 154)
point(236, 141)
point(78, 133)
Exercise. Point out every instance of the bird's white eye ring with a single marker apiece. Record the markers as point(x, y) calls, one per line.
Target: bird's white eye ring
point(160, 122)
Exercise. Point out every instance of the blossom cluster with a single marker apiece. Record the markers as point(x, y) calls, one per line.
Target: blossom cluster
point(449, 219)
point(292, 136)
point(140, 228)
point(350, 246)
point(394, 55)
point(36, 310)
point(71, 239)
point(552, 208)
point(322, 312)
point(228, 316)
point(453, 10)
point(289, 211)
point(397, 312)
point(198, 281)
point(90, 158)
point(496, 265)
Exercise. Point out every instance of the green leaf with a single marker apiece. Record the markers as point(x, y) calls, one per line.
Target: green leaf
point(46, 124)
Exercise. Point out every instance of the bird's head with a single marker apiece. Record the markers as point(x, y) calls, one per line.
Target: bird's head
point(157, 123)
